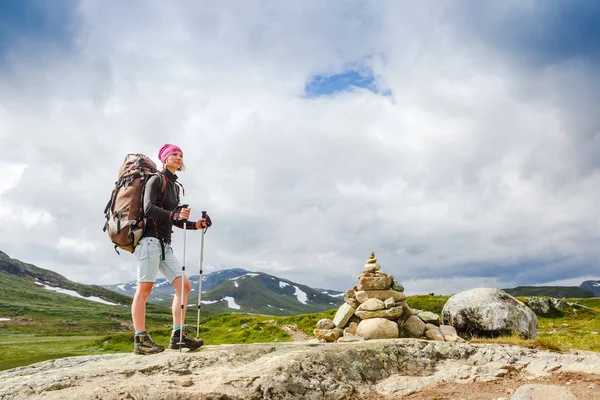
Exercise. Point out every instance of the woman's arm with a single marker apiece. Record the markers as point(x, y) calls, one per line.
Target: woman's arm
point(152, 199)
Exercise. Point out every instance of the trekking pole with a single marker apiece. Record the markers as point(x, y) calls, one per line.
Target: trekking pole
point(181, 343)
point(208, 223)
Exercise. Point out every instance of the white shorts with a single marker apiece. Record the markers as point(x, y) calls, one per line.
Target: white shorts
point(149, 256)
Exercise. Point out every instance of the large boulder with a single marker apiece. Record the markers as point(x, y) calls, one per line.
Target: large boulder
point(539, 305)
point(489, 313)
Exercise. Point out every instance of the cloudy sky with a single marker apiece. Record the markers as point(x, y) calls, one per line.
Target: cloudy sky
point(458, 140)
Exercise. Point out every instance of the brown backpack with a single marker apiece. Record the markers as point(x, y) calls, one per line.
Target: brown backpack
point(125, 210)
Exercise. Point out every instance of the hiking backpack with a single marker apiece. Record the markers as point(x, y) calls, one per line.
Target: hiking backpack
point(125, 210)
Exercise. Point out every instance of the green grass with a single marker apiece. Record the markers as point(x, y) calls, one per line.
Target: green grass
point(47, 325)
point(435, 304)
point(17, 349)
point(564, 333)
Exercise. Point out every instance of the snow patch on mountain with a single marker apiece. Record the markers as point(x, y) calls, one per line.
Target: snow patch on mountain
point(283, 284)
point(302, 297)
point(231, 303)
point(161, 283)
point(250, 275)
point(75, 294)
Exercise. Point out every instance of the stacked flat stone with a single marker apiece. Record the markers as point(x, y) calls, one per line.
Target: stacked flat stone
point(376, 309)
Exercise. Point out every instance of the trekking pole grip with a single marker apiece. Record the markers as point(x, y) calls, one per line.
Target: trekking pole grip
point(178, 210)
point(207, 218)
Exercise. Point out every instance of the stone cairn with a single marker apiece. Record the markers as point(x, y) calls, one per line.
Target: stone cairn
point(376, 309)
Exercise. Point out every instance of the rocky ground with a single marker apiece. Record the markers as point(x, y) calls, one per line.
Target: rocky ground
point(377, 369)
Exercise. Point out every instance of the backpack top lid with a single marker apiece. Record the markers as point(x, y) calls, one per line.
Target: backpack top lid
point(136, 163)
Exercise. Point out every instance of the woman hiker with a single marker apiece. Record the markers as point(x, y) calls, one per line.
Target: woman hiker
point(154, 253)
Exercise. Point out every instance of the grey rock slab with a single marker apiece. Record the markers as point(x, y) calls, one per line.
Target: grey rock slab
point(543, 392)
point(282, 371)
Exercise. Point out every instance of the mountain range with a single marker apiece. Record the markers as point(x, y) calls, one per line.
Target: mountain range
point(232, 290)
point(592, 286)
point(245, 291)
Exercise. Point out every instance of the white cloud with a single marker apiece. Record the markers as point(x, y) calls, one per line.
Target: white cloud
point(74, 245)
point(477, 169)
point(11, 175)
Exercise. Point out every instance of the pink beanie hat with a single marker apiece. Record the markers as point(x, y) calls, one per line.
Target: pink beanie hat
point(166, 151)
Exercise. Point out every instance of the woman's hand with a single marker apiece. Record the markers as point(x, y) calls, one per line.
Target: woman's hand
point(201, 223)
point(182, 214)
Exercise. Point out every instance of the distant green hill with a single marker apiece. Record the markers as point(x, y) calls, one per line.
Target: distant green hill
point(550, 291)
point(229, 291)
point(39, 279)
point(30, 298)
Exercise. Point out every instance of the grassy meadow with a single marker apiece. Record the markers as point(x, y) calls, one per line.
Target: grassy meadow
point(41, 330)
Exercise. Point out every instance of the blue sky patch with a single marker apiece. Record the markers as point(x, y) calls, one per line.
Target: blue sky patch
point(34, 24)
point(548, 33)
point(322, 85)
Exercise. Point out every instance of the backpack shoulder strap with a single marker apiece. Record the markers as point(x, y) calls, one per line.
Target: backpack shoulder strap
point(163, 183)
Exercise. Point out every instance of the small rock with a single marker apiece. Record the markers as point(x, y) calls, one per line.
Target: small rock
point(397, 286)
point(330, 335)
point(325, 323)
point(429, 317)
point(369, 268)
point(553, 367)
point(413, 327)
point(363, 295)
point(389, 302)
point(245, 326)
point(393, 313)
point(350, 339)
point(351, 329)
point(372, 305)
point(374, 283)
point(432, 334)
point(433, 327)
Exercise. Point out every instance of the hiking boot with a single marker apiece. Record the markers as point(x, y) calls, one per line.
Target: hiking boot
point(188, 342)
point(143, 344)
